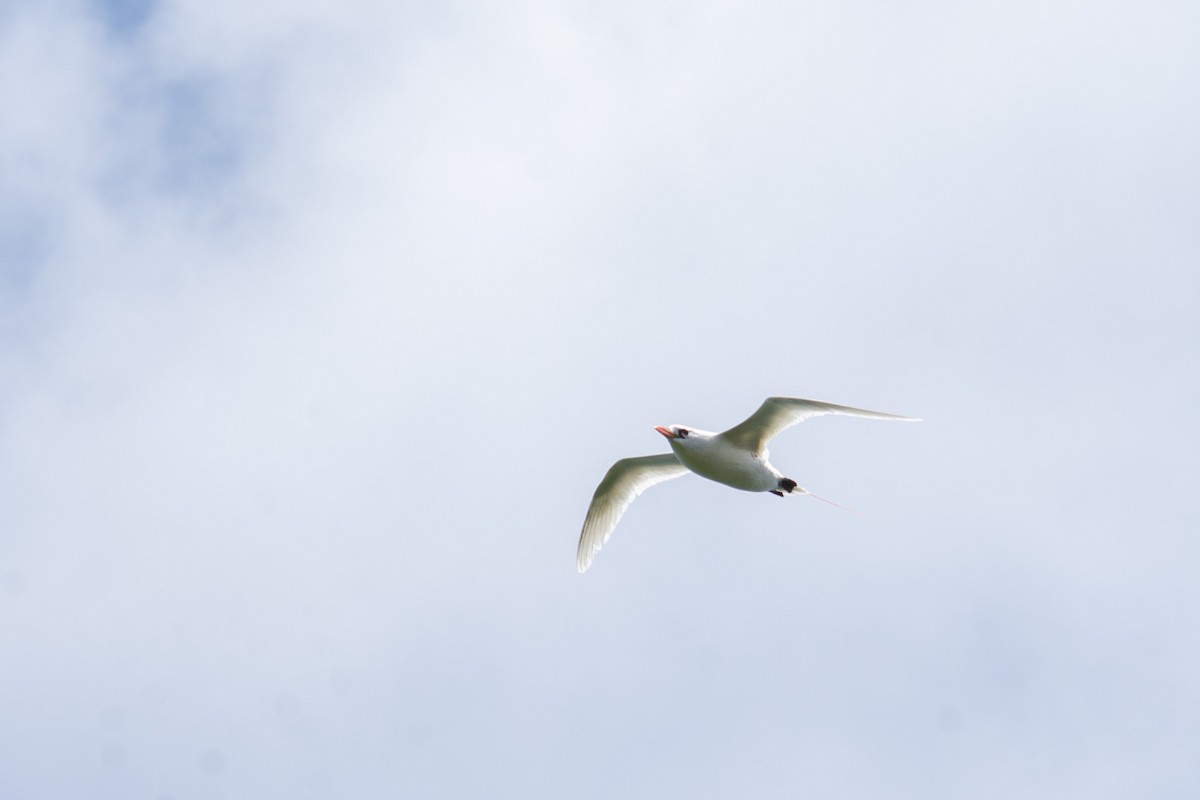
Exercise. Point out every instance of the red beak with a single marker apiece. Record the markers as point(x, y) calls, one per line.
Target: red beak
point(664, 431)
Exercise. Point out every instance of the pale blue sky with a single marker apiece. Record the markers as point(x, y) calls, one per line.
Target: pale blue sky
point(320, 322)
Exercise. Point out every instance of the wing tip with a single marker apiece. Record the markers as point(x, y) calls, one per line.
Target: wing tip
point(585, 556)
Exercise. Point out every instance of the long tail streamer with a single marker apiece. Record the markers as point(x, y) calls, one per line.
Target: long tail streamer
point(835, 505)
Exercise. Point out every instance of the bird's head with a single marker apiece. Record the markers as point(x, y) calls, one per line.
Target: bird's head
point(680, 434)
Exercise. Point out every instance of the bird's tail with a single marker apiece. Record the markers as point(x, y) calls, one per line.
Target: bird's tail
point(825, 500)
point(789, 486)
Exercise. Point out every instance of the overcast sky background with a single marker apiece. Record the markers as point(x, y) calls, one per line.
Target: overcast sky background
point(320, 322)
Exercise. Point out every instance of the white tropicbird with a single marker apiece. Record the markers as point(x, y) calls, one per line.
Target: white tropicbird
point(738, 458)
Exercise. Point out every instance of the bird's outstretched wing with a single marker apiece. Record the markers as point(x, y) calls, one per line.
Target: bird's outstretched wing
point(779, 413)
point(623, 482)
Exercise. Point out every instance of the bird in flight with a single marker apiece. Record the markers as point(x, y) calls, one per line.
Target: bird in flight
point(738, 458)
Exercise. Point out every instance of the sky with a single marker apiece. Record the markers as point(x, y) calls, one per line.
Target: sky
point(321, 321)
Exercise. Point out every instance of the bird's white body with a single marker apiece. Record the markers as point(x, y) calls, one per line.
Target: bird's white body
point(737, 457)
point(713, 457)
